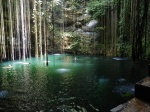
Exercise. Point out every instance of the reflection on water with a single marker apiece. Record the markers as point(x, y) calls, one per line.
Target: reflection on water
point(56, 54)
point(119, 59)
point(3, 93)
point(63, 70)
point(24, 63)
point(89, 84)
point(121, 80)
point(103, 81)
point(123, 89)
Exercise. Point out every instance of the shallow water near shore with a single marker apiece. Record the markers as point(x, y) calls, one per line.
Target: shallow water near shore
point(88, 84)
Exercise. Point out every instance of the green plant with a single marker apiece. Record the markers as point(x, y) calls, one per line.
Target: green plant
point(127, 95)
point(75, 46)
point(97, 8)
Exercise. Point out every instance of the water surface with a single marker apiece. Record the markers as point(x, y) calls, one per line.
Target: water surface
point(88, 84)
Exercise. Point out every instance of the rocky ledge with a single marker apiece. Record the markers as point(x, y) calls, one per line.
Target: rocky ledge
point(141, 102)
point(134, 105)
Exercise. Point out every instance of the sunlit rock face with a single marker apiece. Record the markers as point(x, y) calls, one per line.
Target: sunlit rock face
point(90, 26)
point(76, 21)
point(92, 23)
point(67, 41)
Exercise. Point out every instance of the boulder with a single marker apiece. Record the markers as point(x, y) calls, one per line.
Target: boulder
point(78, 25)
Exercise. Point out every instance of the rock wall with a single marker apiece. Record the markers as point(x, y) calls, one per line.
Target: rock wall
point(79, 33)
point(79, 29)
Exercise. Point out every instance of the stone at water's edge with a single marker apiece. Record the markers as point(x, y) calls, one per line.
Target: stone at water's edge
point(135, 105)
point(142, 89)
point(118, 108)
point(141, 102)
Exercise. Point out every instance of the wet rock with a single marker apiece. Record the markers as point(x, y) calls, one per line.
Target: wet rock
point(118, 108)
point(136, 105)
point(78, 25)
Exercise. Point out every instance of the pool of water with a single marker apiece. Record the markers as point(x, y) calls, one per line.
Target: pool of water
point(88, 84)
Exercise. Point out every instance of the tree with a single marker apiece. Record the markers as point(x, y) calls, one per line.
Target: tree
point(140, 20)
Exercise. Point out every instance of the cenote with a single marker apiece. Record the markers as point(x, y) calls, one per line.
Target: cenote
point(88, 84)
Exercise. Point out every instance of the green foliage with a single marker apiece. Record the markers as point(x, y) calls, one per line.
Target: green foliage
point(147, 55)
point(74, 4)
point(97, 8)
point(123, 49)
point(123, 46)
point(75, 46)
point(146, 46)
point(99, 28)
point(56, 2)
point(127, 95)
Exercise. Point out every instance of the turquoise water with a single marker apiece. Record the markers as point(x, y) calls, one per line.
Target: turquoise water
point(88, 84)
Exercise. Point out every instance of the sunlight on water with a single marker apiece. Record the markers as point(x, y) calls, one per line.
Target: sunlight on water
point(46, 61)
point(9, 66)
point(57, 54)
point(121, 80)
point(63, 70)
point(25, 63)
point(119, 59)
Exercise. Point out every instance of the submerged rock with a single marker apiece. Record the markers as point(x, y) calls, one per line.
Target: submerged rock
point(118, 108)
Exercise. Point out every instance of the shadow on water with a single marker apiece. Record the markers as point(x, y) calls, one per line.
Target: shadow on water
point(88, 84)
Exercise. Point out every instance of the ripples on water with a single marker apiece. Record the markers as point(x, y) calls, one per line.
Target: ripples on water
point(88, 84)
